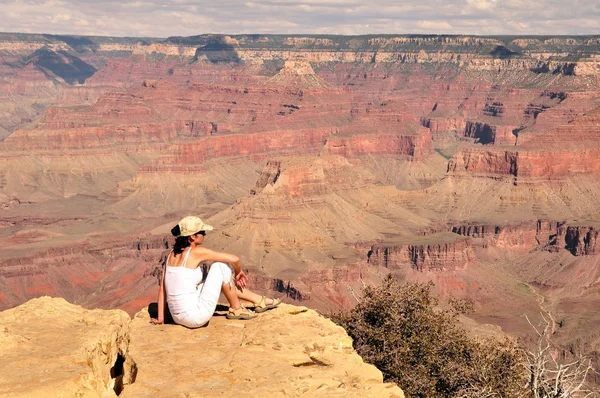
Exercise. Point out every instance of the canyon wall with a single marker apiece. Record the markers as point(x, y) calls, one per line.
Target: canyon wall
point(540, 234)
point(579, 240)
point(435, 154)
point(542, 164)
point(443, 253)
point(476, 53)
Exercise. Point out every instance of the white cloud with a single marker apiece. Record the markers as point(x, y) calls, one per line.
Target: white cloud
point(162, 18)
point(81, 22)
point(435, 26)
point(58, 18)
point(481, 4)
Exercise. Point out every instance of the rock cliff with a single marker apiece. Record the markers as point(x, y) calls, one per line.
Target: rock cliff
point(289, 351)
point(476, 53)
point(437, 252)
point(579, 240)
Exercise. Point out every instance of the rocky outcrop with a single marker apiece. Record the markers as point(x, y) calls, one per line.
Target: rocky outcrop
point(442, 256)
point(288, 351)
point(268, 176)
point(579, 240)
point(543, 164)
point(442, 252)
point(475, 161)
point(541, 234)
point(485, 133)
point(526, 234)
point(414, 147)
point(298, 73)
point(99, 353)
point(440, 125)
point(52, 348)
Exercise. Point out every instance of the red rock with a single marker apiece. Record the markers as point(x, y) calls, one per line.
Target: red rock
point(528, 164)
point(490, 134)
point(444, 252)
point(579, 240)
point(412, 146)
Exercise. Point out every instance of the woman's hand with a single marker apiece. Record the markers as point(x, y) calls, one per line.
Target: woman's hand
point(241, 279)
point(155, 321)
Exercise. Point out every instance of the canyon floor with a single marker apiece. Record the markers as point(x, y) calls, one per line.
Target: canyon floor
point(324, 162)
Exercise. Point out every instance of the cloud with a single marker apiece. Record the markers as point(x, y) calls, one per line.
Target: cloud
point(58, 18)
point(163, 18)
point(482, 4)
point(436, 26)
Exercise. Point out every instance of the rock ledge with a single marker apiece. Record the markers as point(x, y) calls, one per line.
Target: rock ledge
point(53, 348)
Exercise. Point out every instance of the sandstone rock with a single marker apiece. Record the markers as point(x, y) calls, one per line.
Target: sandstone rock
point(289, 351)
point(53, 348)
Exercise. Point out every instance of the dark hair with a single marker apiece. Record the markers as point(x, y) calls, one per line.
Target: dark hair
point(181, 242)
point(176, 231)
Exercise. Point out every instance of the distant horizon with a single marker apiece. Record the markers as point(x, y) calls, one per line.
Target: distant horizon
point(168, 18)
point(309, 35)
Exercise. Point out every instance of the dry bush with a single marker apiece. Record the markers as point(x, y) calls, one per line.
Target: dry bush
point(398, 328)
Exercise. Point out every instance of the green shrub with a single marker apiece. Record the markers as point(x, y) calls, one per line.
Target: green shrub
point(398, 328)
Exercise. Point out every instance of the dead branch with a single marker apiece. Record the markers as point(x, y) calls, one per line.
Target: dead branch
point(548, 378)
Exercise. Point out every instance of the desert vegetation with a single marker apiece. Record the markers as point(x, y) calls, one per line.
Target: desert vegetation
point(423, 348)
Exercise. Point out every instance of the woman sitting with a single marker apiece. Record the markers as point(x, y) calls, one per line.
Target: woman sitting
point(192, 298)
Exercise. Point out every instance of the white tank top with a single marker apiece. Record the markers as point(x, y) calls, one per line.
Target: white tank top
point(181, 286)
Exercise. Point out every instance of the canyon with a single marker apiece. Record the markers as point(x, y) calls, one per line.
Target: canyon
point(324, 162)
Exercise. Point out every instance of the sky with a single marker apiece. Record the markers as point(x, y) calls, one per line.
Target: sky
point(164, 18)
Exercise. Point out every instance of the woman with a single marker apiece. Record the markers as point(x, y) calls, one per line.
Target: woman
point(192, 298)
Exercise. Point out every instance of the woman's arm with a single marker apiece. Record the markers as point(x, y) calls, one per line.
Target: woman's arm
point(211, 255)
point(161, 301)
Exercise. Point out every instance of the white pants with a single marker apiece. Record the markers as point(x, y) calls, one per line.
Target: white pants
point(218, 275)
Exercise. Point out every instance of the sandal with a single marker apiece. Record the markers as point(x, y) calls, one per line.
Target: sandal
point(242, 314)
point(262, 305)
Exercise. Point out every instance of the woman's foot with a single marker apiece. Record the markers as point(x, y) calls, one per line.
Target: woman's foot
point(241, 313)
point(266, 304)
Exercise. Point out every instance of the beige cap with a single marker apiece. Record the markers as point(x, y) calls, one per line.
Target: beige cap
point(191, 225)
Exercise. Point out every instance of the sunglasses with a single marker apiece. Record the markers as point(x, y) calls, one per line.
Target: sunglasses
point(203, 233)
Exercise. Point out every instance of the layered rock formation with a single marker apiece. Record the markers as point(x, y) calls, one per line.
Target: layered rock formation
point(540, 234)
point(527, 234)
point(579, 240)
point(476, 53)
point(437, 154)
point(98, 353)
point(445, 252)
